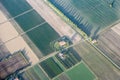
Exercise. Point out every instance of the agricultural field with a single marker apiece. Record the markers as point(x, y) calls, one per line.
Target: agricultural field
point(42, 40)
point(13, 64)
point(51, 67)
point(62, 76)
point(78, 72)
point(34, 73)
point(97, 62)
point(68, 57)
point(30, 20)
point(91, 16)
point(18, 8)
point(4, 52)
point(108, 42)
point(39, 33)
point(35, 24)
point(67, 63)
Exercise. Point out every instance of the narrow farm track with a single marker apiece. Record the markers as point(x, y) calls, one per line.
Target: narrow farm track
point(23, 33)
point(17, 16)
point(52, 54)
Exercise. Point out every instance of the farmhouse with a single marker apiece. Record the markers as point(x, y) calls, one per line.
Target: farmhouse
point(62, 43)
point(61, 55)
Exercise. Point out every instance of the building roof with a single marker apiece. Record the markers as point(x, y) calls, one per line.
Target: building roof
point(62, 43)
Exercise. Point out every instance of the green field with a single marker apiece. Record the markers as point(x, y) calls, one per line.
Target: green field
point(51, 67)
point(97, 62)
point(29, 20)
point(62, 76)
point(37, 29)
point(38, 35)
point(42, 36)
point(71, 58)
point(80, 72)
point(91, 16)
point(34, 73)
point(16, 7)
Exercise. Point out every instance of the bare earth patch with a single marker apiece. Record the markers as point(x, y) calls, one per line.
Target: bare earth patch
point(13, 41)
point(7, 31)
point(19, 44)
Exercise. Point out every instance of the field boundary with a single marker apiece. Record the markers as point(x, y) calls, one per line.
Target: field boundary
point(51, 55)
point(79, 30)
point(43, 71)
point(20, 31)
point(67, 20)
point(96, 78)
point(11, 18)
point(25, 36)
point(64, 72)
point(108, 27)
point(67, 69)
point(115, 65)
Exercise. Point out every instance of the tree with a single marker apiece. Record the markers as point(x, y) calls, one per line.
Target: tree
point(111, 2)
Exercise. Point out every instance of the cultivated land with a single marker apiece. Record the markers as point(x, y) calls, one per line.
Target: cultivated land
point(116, 28)
point(15, 62)
point(89, 16)
point(63, 76)
point(109, 41)
point(14, 7)
point(45, 35)
point(101, 77)
point(13, 42)
point(80, 72)
point(30, 20)
point(51, 67)
point(103, 69)
point(34, 26)
point(3, 51)
point(37, 26)
point(40, 27)
point(34, 73)
point(54, 20)
point(70, 58)
point(7, 31)
point(19, 44)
